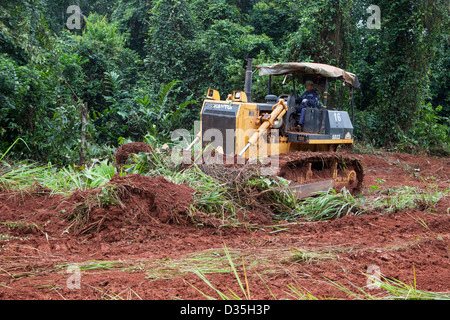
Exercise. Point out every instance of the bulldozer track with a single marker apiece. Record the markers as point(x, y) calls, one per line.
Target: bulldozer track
point(326, 169)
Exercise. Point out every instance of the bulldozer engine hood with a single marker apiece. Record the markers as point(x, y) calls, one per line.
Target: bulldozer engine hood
point(324, 70)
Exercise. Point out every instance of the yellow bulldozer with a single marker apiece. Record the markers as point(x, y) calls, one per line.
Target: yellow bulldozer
point(267, 131)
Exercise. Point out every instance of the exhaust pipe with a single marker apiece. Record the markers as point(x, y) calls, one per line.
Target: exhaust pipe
point(248, 79)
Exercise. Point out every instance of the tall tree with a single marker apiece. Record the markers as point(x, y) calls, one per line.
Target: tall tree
point(395, 63)
point(322, 34)
point(275, 18)
point(35, 103)
point(169, 46)
point(110, 70)
point(132, 18)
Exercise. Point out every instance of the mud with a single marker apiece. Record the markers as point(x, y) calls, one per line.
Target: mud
point(138, 241)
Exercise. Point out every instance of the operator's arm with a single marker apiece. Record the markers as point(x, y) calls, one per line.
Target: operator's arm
point(300, 99)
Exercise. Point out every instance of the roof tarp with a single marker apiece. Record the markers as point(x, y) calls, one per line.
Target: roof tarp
point(324, 70)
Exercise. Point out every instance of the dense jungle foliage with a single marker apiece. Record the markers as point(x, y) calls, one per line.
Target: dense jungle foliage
point(138, 69)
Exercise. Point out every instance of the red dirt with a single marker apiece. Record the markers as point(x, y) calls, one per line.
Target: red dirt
point(145, 227)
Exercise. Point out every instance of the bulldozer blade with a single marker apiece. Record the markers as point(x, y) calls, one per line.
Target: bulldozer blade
point(308, 190)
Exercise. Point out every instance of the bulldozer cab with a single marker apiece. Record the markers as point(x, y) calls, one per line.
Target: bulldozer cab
point(321, 75)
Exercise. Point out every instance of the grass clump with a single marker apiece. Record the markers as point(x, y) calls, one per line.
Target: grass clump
point(93, 265)
point(401, 198)
point(391, 289)
point(329, 205)
point(23, 176)
point(332, 204)
point(20, 225)
point(230, 295)
point(209, 261)
point(398, 290)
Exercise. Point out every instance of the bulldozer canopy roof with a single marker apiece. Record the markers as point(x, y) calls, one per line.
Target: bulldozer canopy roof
point(323, 70)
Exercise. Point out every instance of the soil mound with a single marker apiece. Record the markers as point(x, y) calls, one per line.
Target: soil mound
point(126, 150)
point(129, 207)
point(166, 201)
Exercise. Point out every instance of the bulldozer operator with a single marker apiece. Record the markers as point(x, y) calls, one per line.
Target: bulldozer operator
point(310, 98)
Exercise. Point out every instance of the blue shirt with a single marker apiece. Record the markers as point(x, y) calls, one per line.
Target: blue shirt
point(312, 98)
